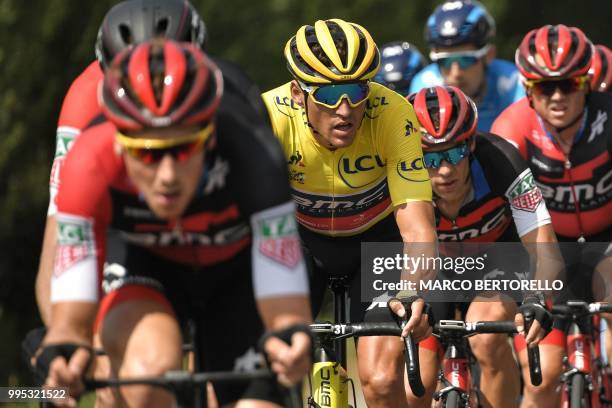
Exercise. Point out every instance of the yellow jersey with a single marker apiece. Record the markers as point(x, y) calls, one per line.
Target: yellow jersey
point(346, 191)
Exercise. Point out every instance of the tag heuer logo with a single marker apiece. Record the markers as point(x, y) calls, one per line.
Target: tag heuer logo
point(277, 227)
point(285, 250)
point(525, 195)
point(73, 234)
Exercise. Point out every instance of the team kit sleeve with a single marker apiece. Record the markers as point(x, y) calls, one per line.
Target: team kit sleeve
point(400, 143)
point(278, 265)
point(517, 185)
point(261, 174)
point(83, 213)
point(79, 107)
point(528, 207)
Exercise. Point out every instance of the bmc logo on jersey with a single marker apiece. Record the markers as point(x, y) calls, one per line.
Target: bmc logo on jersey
point(412, 170)
point(496, 221)
point(355, 173)
point(589, 195)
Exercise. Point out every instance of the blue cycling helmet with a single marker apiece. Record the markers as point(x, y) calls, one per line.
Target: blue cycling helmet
point(460, 22)
point(400, 61)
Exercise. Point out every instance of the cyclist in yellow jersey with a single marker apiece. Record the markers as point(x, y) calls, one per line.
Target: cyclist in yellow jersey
point(356, 170)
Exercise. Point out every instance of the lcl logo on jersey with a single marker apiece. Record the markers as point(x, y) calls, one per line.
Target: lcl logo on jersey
point(358, 172)
point(284, 102)
point(412, 170)
point(376, 102)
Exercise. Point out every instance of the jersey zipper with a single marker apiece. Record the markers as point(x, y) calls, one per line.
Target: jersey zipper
point(568, 166)
point(333, 192)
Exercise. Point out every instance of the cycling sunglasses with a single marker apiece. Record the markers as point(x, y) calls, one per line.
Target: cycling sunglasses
point(548, 87)
point(332, 95)
point(433, 160)
point(465, 59)
point(150, 151)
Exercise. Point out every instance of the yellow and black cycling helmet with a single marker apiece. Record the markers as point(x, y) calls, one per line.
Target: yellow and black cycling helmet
point(332, 51)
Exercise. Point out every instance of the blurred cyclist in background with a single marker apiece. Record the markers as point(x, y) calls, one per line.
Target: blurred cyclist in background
point(601, 69)
point(399, 63)
point(564, 131)
point(460, 35)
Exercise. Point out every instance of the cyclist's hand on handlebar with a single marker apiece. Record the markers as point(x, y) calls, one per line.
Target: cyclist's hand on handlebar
point(419, 324)
point(533, 310)
point(65, 365)
point(536, 332)
point(289, 354)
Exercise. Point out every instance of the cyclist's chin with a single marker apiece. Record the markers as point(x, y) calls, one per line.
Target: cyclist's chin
point(339, 139)
point(167, 207)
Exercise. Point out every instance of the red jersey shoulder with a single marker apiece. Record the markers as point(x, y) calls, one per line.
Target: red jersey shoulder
point(91, 167)
point(80, 104)
point(516, 123)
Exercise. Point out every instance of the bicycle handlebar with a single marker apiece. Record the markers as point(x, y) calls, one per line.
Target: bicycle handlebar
point(579, 307)
point(178, 381)
point(175, 379)
point(533, 353)
point(466, 329)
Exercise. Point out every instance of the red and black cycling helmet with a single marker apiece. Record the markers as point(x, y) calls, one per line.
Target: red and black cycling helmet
point(554, 51)
point(132, 22)
point(161, 83)
point(445, 113)
point(601, 69)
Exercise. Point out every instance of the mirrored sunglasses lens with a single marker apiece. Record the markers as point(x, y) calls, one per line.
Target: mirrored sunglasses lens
point(432, 160)
point(180, 153)
point(566, 86)
point(331, 95)
point(463, 61)
point(456, 154)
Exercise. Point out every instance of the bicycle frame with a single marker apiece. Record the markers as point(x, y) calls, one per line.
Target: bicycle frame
point(583, 356)
point(456, 372)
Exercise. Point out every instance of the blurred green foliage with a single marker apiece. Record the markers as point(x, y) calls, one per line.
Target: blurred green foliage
point(45, 44)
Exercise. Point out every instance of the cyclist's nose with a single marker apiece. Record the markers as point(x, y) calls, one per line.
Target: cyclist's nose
point(455, 70)
point(446, 169)
point(344, 109)
point(166, 170)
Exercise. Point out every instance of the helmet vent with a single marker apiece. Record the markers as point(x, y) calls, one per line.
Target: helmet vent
point(161, 27)
point(126, 34)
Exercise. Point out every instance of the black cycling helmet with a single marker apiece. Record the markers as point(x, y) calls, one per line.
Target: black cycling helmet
point(460, 22)
point(135, 21)
point(399, 63)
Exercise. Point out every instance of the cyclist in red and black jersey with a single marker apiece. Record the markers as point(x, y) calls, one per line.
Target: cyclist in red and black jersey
point(483, 192)
point(142, 20)
point(601, 69)
point(563, 130)
point(178, 174)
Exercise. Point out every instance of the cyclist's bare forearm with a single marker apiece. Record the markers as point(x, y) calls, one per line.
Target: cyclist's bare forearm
point(415, 221)
point(72, 322)
point(45, 270)
point(283, 311)
point(541, 243)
